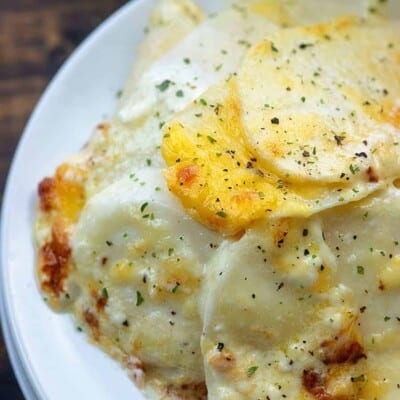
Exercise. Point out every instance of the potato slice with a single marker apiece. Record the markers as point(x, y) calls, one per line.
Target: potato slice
point(322, 103)
point(297, 307)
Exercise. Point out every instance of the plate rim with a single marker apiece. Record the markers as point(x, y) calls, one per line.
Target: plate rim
point(30, 387)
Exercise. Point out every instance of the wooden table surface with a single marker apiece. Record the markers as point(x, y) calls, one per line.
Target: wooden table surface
point(36, 36)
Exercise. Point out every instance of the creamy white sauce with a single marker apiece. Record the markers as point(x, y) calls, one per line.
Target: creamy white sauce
point(134, 237)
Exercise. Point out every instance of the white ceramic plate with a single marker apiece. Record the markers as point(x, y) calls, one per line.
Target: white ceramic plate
point(51, 359)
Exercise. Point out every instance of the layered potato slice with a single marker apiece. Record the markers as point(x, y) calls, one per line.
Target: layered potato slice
point(232, 31)
point(308, 308)
point(192, 66)
point(321, 103)
point(139, 270)
point(124, 146)
point(303, 12)
point(169, 22)
point(294, 132)
point(218, 175)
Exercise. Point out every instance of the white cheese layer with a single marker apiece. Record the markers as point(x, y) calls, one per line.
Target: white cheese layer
point(136, 249)
point(169, 22)
point(318, 296)
point(132, 140)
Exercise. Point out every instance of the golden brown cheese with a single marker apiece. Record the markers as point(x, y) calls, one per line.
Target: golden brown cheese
point(61, 201)
point(266, 142)
point(196, 391)
point(54, 261)
point(213, 170)
point(64, 193)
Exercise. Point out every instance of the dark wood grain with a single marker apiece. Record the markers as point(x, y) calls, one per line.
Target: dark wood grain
point(36, 36)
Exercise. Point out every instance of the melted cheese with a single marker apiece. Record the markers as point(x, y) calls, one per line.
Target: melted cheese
point(169, 22)
point(294, 132)
point(216, 173)
point(192, 67)
point(304, 12)
point(290, 322)
point(320, 103)
point(137, 251)
point(131, 141)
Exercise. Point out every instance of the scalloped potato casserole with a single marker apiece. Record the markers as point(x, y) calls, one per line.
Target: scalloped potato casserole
point(232, 232)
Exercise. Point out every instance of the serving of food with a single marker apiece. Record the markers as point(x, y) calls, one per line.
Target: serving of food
point(232, 232)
